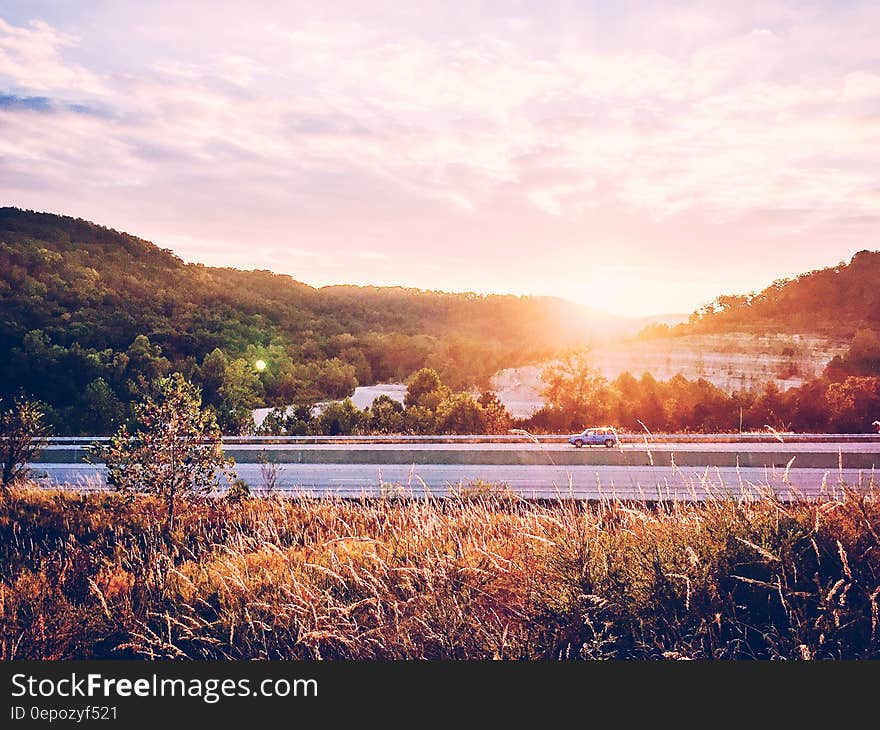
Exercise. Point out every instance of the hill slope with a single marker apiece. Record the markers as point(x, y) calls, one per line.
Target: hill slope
point(87, 314)
point(836, 301)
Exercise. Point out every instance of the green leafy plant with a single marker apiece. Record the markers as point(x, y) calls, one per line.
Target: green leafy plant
point(175, 450)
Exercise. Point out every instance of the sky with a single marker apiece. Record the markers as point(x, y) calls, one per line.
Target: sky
point(638, 157)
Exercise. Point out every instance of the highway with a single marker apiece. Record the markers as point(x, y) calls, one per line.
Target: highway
point(660, 470)
point(823, 455)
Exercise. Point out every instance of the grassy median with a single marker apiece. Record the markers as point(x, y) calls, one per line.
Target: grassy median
point(479, 576)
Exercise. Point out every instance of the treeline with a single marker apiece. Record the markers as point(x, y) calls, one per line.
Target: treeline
point(429, 407)
point(836, 301)
point(89, 316)
point(845, 399)
point(577, 396)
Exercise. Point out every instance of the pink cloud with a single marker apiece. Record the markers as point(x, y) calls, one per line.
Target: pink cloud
point(347, 135)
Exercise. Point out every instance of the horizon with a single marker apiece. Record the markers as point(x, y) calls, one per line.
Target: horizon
point(655, 316)
point(639, 160)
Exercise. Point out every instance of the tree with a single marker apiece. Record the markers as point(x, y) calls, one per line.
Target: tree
point(386, 415)
point(417, 419)
point(289, 421)
point(175, 450)
point(649, 408)
point(577, 390)
point(338, 419)
point(145, 364)
point(854, 404)
point(22, 431)
point(863, 357)
point(337, 378)
point(461, 414)
point(425, 390)
point(240, 393)
point(102, 410)
point(212, 373)
point(497, 417)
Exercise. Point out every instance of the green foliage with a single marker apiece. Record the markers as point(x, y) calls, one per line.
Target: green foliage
point(241, 391)
point(22, 433)
point(104, 412)
point(92, 317)
point(386, 415)
point(83, 304)
point(175, 450)
point(424, 389)
point(338, 419)
point(290, 421)
point(461, 414)
point(420, 420)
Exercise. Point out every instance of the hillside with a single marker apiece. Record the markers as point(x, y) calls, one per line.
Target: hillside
point(837, 302)
point(89, 314)
point(821, 323)
point(89, 317)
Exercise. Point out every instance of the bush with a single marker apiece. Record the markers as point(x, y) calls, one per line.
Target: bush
point(22, 434)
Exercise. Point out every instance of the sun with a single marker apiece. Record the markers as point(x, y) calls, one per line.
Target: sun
point(618, 293)
point(260, 365)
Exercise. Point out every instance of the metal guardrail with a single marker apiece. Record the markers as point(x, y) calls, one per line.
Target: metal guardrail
point(508, 439)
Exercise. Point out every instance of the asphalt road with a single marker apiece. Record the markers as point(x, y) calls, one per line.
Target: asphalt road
point(659, 469)
point(532, 481)
point(825, 455)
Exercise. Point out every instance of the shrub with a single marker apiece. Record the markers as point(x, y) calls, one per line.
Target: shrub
point(176, 449)
point(22, 434)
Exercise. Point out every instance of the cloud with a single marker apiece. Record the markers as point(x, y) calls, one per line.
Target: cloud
point(30, 103)
point(491, 133)
point(42, 104)
point(31, 58)
point(448, 121)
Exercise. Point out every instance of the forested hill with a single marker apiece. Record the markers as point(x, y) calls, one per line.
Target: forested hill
point(88, 314)
point(837, 301)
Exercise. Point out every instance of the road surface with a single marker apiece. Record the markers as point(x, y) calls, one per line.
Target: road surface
point(531, 481)
point(804, 465)
point(862, 455)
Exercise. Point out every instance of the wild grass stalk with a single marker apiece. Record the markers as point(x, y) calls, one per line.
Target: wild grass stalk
point(480, 574)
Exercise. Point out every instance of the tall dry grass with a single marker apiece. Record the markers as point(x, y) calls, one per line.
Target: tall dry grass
point(477, 576)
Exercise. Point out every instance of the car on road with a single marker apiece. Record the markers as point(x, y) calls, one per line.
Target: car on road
point(594, 437)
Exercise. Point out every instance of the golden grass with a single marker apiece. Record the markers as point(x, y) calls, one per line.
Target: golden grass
point(480, 575)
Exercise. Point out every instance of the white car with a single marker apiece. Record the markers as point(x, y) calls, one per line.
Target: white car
point(594, 437)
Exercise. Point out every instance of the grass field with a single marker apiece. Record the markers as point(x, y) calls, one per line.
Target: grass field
point(482, 575)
